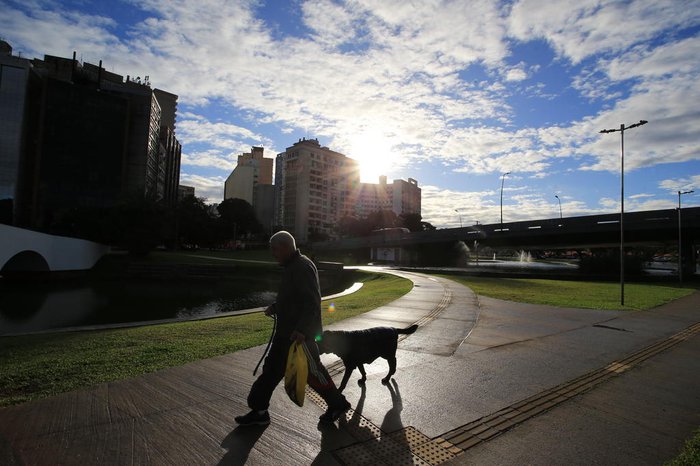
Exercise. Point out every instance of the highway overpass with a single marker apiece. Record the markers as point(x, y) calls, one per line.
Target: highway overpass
point(653, 228)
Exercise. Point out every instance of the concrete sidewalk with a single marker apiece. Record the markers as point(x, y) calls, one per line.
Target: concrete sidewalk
point(184, 415)
point(471, 360)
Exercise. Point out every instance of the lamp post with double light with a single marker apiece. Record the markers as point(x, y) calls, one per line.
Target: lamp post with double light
point(560, 214)
point(503, 179)
point(460, 217)
point(680, 244)
point(621, 130)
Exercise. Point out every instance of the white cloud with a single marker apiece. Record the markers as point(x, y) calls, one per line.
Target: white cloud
point(331, 23)
point(578, 29)
point(516, 73)
point(211, 188)
point(197, 129)
point(209, 158)
point(681, 184)
point(443, 207)
point(404, 77)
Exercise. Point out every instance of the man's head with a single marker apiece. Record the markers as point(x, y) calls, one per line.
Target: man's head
point(282, 245)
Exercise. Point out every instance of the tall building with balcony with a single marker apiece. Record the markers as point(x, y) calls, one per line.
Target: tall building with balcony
point(318, 188)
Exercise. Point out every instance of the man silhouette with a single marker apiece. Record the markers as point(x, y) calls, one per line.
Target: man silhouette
point(298, 312)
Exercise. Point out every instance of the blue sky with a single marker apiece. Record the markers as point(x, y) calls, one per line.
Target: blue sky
point(451, 93)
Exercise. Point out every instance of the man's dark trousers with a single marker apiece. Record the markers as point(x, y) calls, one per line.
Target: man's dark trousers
point(273, 372)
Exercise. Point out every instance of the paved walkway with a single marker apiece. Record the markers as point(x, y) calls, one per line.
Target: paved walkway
point(476, 384)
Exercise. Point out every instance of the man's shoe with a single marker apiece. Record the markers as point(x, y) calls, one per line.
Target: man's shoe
point(333, 413)
point(254, 418)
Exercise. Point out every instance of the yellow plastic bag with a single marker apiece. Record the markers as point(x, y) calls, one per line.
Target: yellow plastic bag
point(296, 373)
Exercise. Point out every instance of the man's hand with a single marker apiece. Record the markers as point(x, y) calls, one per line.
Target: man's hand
point(270, 310)
point(297, 336)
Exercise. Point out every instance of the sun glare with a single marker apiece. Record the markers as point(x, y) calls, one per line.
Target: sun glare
point(374, 153)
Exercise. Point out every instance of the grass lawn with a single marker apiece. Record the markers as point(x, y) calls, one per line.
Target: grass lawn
point(690, 455)
point(37, 366)
point(564, 293)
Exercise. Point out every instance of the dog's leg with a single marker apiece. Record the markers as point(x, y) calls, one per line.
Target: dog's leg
point(346, 377)
point(361, 382)
point(392, 370)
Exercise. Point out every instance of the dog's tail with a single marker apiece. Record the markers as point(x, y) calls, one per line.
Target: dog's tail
point(407, 331)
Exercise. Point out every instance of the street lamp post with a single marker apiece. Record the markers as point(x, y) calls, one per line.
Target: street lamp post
point(680, 259)
point(460, 218)
point(560, 214)
point(503, 179)
point(622, 200)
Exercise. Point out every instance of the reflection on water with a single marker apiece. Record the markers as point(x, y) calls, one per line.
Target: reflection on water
point(32, 307)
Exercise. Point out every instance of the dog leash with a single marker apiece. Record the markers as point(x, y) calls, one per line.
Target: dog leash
point(272, 335)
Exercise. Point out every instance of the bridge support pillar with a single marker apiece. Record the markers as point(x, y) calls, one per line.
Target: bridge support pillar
point(689, 258)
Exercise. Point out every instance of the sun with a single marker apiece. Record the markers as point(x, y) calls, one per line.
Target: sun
point(374, 152)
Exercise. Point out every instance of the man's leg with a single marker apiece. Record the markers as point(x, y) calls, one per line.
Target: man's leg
point(273, 371)
point(320, 381)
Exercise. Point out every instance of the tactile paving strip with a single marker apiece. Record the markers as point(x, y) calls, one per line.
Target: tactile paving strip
point(485, 428)
point(404, 447)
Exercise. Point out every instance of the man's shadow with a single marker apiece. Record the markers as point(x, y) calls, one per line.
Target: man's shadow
point(239, 443)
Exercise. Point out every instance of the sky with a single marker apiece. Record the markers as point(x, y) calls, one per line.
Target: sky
point(452, 93)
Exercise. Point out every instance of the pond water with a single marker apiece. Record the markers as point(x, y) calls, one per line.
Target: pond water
point(30, 307)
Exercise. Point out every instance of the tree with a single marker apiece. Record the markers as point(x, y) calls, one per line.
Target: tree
point(382, 219)
point(144, 224)
point(237, 218)
point(426, 226)
point(349, 226)
point(195, 223)
point(411, 221)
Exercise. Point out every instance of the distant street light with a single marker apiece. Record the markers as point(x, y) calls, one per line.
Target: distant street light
point(460, 218)
point(680, 261)
point(503, 179)
point(622, 201)
point(560, 214)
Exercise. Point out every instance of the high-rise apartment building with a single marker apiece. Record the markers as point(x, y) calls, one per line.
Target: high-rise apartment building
point(406, 197)
point(401, 197)
point(185, 191)
point(279, 190)
point(95, 138)
point(319, 187)
point(20, 90)
point(170, 149)
point(251, 170)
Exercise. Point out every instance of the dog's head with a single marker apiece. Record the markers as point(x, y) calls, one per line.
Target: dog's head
point(330, 342)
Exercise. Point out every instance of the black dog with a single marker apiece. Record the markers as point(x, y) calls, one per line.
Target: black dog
point(363, 347)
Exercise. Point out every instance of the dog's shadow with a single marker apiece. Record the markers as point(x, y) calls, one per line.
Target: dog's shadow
point(332, 436)
point(239, 442)
point(392, 419)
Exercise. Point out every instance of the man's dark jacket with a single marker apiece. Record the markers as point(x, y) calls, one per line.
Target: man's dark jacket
point(298, 305)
